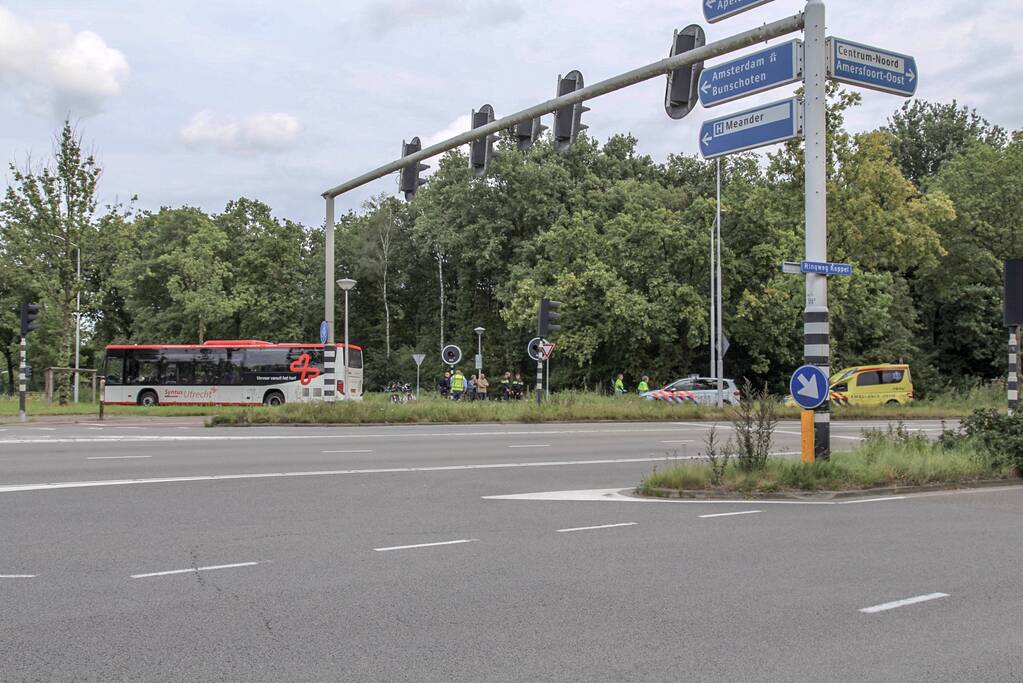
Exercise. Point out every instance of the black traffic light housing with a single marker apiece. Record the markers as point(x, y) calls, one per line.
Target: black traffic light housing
point(410, 180)
point(682, 93)
point(526, 134)
point(568, 120)
point(481, 151)
point(548, 314)
point(29, 313)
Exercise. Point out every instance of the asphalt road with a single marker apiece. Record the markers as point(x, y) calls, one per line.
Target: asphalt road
point(169, 552)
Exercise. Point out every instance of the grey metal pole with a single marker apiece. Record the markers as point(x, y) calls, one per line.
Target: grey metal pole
point(22, 381)
point(644, 73)
point(816, 328)
point(417, 381)
point(330, 349)
point(720, 369)
point(1013, 384)
point(347, 392)
point(713, 308)
point(78, 319)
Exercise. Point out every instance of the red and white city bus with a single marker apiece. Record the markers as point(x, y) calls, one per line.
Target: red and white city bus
point(225, 372)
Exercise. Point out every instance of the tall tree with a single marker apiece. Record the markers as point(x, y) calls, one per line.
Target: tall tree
point(48, 215)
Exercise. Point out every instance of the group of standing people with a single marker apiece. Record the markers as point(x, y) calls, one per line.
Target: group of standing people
point(619, 385)
point(455, 386)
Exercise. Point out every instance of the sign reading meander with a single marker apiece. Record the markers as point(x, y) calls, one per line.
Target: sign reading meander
point(763, 125)
point(776, 66)
point(871, 67)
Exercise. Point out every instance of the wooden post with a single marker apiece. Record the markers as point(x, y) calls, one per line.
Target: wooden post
point(49, 386)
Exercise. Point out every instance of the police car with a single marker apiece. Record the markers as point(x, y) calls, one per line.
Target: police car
point(695, 390)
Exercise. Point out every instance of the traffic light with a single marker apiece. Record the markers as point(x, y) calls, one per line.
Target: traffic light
point(29, 313)
point(480, 151)
point(568, 120)
point(548, 314)
point(526, 134)
point(682, 93)
point(410, 180)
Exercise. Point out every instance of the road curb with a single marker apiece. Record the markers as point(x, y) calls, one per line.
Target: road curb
point(820, 496)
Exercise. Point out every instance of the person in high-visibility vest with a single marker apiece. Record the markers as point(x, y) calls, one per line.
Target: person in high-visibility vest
point(620, 385)
point(457, 385)
point(644, 385)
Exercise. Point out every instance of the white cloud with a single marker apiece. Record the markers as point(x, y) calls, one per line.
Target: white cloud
point(459, 125)
point(55, 69)
point(253, 133)
point(382, 17)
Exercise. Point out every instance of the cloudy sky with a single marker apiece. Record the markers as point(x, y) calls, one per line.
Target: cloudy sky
point(196, 101)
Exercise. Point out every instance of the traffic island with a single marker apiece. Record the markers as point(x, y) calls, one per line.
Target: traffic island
point(892, 461)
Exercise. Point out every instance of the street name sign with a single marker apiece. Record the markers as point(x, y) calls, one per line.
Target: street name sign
point(871, 67)
point(809, 387)
point(719, 10)
point(756, 72)
point(757, 127)
point(825, 268)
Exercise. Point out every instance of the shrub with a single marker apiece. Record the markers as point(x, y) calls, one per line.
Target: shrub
point(998, 436)
point(754, 420)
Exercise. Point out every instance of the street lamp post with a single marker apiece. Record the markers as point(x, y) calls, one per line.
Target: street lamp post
point(479, 351)
point(346, 284)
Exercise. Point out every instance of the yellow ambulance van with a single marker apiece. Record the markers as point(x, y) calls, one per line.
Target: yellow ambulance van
point(872, 385)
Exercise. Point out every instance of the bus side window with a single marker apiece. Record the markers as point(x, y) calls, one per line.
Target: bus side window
point(113, 366)
point(354, 358)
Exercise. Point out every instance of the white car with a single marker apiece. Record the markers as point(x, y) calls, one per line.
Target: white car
point(696, 390)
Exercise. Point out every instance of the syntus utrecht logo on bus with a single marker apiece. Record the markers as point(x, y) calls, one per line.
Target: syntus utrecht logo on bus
point(306, 371)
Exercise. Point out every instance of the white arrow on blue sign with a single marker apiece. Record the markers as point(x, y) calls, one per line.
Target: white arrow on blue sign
point(871, 67)
point(756, 127)
point(718, 10)
point(324, 329)
point(809, 387)
point(825, 268)
point(776, 66)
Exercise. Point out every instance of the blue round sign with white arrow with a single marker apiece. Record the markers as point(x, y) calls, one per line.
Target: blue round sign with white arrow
point(809, 387)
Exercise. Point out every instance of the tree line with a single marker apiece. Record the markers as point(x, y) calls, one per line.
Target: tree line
point(926, 208)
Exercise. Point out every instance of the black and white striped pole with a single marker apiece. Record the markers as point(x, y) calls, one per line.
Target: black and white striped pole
point(816, 329)
point(22, 381)
point(1013, 301)
point(1013, 369)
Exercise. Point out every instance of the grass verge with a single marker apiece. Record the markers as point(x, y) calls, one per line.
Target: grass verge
point(885, 460)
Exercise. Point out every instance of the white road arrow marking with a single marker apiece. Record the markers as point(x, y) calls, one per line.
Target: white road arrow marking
point(809, 387)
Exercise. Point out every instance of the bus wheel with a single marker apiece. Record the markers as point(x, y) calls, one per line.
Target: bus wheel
point(148, 398)
point(893, 402)
point(273, 398)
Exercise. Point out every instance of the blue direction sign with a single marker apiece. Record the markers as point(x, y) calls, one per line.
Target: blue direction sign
point(323, 332)
point(717, 10)
point(753, 73)
point(825, 268)
point(809, 387)
point(871, 67)
point(763, 125)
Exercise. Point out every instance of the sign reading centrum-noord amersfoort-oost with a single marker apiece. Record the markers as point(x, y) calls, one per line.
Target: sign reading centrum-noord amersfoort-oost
point(719, 10)
point(871, 67)
point(756, 127)
point(756, 72)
